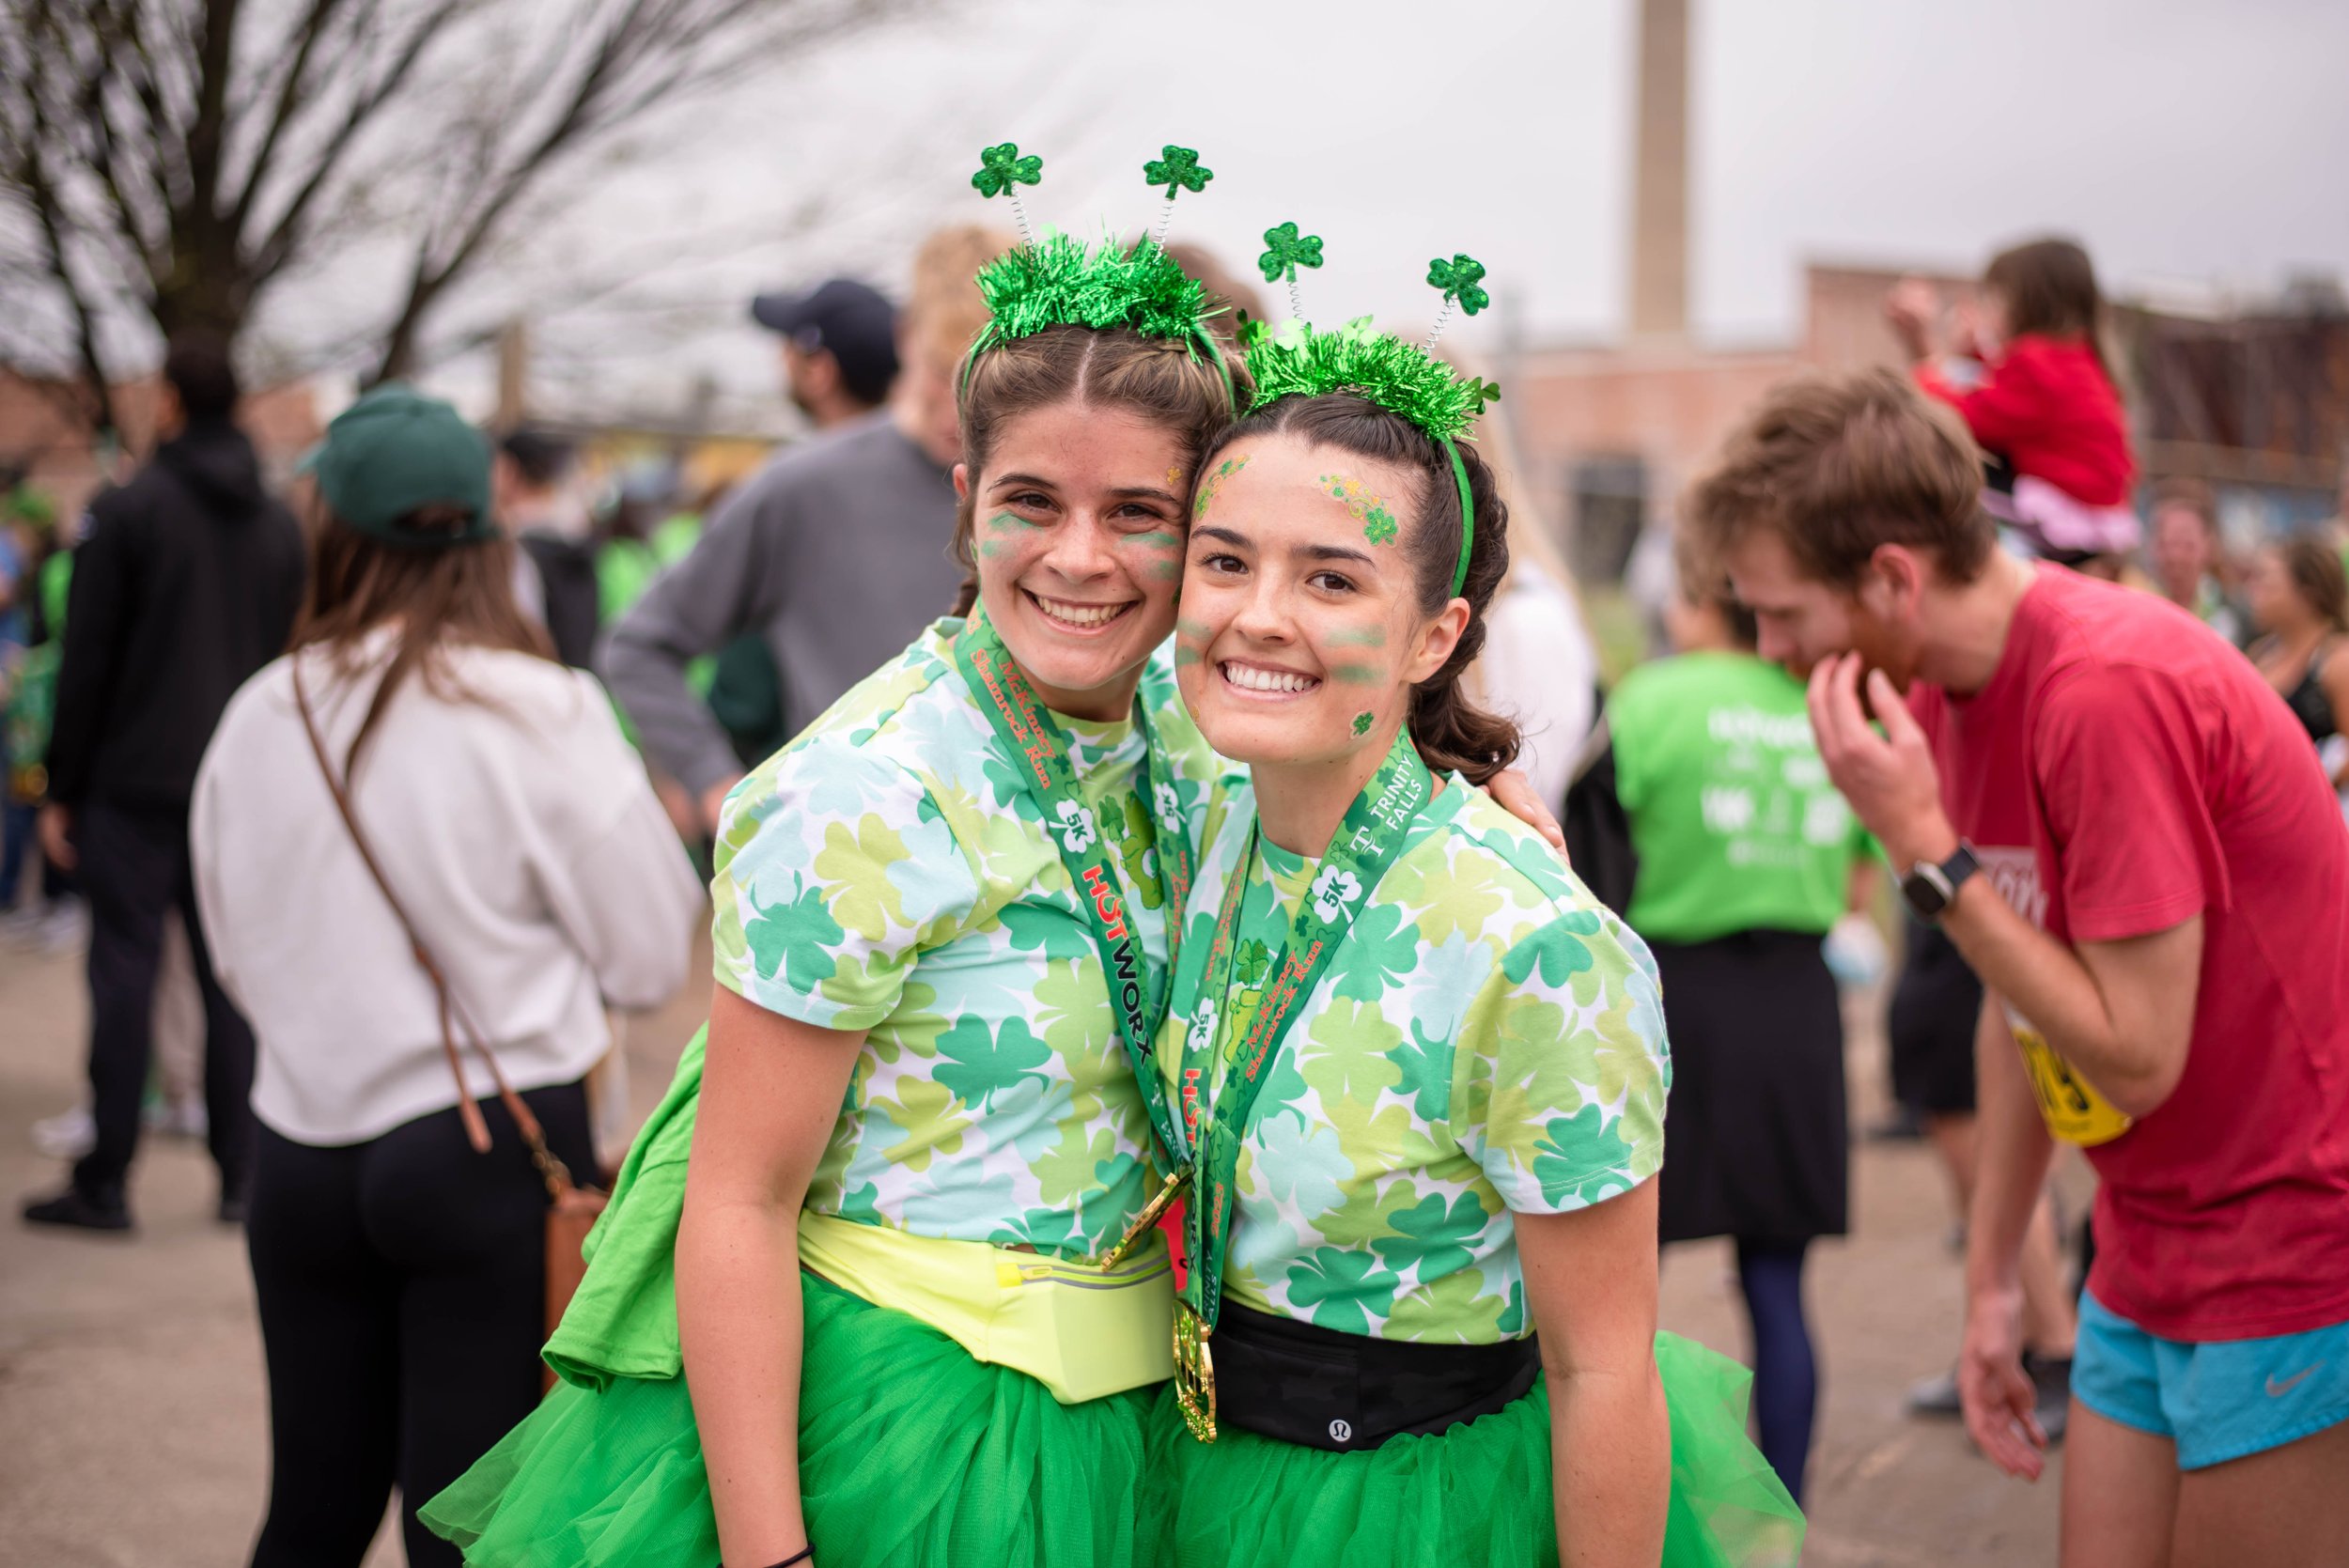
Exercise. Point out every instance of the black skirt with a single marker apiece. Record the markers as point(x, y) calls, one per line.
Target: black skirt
point(1755, 1141)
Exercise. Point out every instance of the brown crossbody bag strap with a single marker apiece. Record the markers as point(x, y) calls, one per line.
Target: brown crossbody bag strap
point(453, 1014)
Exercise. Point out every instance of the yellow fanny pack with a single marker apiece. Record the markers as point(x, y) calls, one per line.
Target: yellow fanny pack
point(2068, 1103)
point(1081, 1330)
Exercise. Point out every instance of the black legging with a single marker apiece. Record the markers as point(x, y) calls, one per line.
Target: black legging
point(402, 1294)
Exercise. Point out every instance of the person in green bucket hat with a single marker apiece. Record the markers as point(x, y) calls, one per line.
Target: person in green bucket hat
point(399, 1218)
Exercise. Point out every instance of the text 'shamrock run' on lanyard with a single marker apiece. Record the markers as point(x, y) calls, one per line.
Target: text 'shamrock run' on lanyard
point(1038, 752)
point(1366, 844)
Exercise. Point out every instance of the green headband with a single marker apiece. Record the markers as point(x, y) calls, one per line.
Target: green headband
point(1057, 281)
point(1297, 361)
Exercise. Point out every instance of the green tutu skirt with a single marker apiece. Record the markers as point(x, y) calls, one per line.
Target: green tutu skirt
point(1475, 1497)
point(910, 1453)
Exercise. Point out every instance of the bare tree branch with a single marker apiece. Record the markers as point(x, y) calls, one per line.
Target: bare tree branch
point(289, 99)
point(166, 162)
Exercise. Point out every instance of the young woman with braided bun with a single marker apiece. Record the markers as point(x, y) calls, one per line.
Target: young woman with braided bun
point(1422, 1073)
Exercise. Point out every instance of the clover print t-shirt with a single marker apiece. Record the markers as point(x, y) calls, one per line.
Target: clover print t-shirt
point(887, 873)
point(1489, 1038)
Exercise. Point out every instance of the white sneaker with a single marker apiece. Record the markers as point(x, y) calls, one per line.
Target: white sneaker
point(64, 929)
point(20, 927)
point(179, 1119)
point(68, 1135)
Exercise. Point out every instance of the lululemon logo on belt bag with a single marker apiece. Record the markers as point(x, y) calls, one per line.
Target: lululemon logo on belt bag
point(1340, 1432)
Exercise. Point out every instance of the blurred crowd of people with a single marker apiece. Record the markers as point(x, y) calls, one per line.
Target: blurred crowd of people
point(532, 743)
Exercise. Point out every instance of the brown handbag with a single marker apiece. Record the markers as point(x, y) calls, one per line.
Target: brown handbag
point(571, 1209)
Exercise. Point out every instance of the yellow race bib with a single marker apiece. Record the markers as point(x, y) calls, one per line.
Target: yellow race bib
point(2070, 1105)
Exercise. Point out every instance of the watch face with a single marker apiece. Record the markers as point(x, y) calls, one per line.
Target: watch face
point(1927, 890)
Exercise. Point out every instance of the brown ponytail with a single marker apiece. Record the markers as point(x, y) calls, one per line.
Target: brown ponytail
point(1450, 730)
point(1170, 384)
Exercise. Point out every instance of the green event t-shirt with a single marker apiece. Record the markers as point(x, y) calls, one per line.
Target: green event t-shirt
point(1733, 817)
point(1487, 1039)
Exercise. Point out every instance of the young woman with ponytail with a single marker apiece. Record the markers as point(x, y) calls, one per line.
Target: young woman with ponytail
point(1421, 1073)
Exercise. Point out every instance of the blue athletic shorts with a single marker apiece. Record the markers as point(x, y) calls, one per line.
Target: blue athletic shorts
point(2216, 1401)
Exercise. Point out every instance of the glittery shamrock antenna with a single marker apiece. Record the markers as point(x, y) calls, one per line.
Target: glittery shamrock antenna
point(1056, 281)
point(1298, 361)
point(1285, 250)
point(1177, 169)
point(1002, 171)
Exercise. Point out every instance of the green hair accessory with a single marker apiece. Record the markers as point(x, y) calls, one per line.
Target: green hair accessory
point(1285, 250)
point(1059, 280)
point(1298, 361)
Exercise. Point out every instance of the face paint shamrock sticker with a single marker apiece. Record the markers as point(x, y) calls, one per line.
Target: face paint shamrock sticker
point(1285, 250)
point(1458, 279)
point(1177, 169)
point(1000, 168)
point(1378, 524)
point(1363, 722)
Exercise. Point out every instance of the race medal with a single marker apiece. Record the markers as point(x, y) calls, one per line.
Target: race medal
point(1194, 1373)
point(1216, 1104)
point(1152, 1217)
point(1030, 740)
point(2068, 1103)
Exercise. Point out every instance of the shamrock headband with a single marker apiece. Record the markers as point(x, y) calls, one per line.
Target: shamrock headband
point(1297, 361)
point(1058, 281)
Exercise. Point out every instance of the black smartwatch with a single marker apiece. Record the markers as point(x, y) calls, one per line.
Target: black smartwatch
point(1931, 888)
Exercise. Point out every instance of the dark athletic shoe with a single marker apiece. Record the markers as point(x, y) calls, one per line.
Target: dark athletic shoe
point(80, 1210)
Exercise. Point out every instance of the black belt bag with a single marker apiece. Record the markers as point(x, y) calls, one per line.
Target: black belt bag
point(1346, 1392)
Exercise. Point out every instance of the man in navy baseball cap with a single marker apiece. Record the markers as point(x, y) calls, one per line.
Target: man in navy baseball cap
point(839, 348)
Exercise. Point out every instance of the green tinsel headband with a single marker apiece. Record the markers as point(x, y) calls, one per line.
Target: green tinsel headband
point(1297, 361)
point(1059, 282)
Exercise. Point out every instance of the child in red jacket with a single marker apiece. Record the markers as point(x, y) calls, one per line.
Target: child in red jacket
point(2045, 408)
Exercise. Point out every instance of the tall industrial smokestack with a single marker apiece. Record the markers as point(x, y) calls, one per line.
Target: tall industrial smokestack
point(1659, 220)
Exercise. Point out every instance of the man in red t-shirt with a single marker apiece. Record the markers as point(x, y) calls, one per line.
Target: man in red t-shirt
point(2127, 834)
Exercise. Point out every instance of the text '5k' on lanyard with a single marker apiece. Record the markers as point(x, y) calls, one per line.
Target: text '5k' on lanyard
point(1038, 752)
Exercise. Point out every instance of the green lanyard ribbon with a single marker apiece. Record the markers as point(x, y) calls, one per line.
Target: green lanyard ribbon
point(1367, 844)
point(1033, 742)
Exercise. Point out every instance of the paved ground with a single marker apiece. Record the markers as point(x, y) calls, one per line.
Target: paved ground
point(136, 1430)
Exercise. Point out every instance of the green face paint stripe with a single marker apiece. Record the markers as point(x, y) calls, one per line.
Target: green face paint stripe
point(1186, 655)
point(1167, 570)
point(1157, 538)
point(1196, 631)
point(1004, 522)
point(1354, 675)
point(1357, 637)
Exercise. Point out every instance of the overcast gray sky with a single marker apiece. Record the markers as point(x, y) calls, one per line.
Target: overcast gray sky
point(2180, 140)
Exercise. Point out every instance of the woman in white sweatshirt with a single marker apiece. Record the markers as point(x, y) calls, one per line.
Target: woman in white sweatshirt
point(399, 1266)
